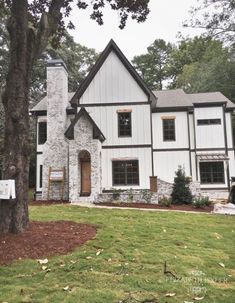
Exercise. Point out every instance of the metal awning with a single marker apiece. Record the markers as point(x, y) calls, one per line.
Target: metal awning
point(212, 157)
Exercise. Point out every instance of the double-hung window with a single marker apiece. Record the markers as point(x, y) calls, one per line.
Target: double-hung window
point(124, 124)
point(168, 129)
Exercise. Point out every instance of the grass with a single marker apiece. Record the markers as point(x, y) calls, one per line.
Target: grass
point(135, 244)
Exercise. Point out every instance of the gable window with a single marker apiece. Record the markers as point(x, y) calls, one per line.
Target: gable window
point(126, 172)
point(124, 124)
point(168, 129)
point(42, 132)
point(208, 121)
point(212, 172)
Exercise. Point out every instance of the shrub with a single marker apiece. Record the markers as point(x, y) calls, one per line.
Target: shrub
point(116, 194)
point(164, 201)
point(146, 195)
point(130, 195)
point(201, 202)
point(181, 193)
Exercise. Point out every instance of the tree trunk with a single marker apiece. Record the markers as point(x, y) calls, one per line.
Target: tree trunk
point(14, 213)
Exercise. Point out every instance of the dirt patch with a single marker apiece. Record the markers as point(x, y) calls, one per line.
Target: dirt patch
point(44, 239)
point(157, 206)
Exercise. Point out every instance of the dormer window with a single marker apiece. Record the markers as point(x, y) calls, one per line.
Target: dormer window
point(124, 124)
point(42, 132)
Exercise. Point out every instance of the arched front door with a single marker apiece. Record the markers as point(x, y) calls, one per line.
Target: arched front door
point(85, 165)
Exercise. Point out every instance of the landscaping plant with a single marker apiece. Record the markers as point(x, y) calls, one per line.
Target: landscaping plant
point(181, 193)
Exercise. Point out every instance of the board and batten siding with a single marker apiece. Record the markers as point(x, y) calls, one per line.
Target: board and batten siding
point(143, 155)
point(181, 130)
point(229, 130)
point(106, 117)
point(113, 83)
point(167, 162)
point(209, 136)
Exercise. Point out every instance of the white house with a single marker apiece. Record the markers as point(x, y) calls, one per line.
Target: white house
point(115, 133)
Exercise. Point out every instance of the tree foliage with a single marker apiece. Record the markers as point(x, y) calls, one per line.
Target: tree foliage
point(154, 66)
point(181, 193)
point(207, 66)
point(31, 25)
point(217, 17)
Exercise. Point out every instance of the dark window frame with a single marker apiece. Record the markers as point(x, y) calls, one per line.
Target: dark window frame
point(216, 121)
point(42, 132)
point(40, 175)
point(212, 172)
point(125, 173)
point(122, 130)
point(168, 134)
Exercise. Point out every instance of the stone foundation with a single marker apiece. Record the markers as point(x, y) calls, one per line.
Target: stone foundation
point(128, 196)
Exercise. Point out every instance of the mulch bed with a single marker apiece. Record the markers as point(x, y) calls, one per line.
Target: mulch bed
point(44, 239)
point(206, 209)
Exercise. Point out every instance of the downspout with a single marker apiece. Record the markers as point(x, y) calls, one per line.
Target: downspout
point(226, 145)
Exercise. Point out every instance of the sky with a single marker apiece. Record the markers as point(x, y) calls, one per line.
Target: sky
point(164, 22)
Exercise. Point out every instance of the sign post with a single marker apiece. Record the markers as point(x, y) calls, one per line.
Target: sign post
point(56, 175)
point(7, 189)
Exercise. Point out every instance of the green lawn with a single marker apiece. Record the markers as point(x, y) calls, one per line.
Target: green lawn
point(135, 244)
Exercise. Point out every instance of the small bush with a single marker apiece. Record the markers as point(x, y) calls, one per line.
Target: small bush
point(164, 201)
point(201, 202)
point(181, 193)
point(130, 195)
point(146, 195)
point(116, 194)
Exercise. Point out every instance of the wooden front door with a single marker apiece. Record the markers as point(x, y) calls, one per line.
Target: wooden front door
point(85, 178)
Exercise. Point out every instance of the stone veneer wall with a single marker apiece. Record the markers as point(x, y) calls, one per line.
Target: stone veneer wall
point(83, 140)
point(144, 195)
point(55, 155)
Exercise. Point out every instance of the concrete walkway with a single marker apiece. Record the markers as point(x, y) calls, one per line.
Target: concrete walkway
point(91, 205)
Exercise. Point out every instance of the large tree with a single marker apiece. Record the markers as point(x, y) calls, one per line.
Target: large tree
point(216, 17)
point(31, 24)
point(153, 66)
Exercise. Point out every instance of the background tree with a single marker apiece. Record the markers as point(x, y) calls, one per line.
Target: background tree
point(217, 17)
point(30, 26)
point(153, 66)
point(203, 65)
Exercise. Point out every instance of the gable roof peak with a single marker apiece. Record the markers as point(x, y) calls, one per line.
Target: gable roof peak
point(111, 46)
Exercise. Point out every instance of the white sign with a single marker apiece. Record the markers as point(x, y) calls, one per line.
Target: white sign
point(7, 189)
point(57, 175)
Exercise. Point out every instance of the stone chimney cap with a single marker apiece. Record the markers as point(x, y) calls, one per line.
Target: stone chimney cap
point(56, 62)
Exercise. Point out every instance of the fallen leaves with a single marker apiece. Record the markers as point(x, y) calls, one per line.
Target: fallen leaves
point(221, 264)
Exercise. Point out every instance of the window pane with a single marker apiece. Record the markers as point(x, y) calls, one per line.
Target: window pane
point(126, 172)
point(42, 132)
point(169, 129)
point(208, 121)
point(124, 124)
point(212, 172)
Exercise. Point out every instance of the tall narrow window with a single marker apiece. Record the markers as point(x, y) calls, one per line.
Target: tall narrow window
point(40, 176)
point(211, 172)
point(124, 124)
point(168, 129)
point(42, 132)
point(126, 172)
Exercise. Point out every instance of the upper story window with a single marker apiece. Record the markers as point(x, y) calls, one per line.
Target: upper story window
point(208, 121)
point(42, 132)
point(168, 129)
point(124, 124)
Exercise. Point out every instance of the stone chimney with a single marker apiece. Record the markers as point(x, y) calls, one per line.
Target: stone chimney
point(57, 98)
point(55, 152)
